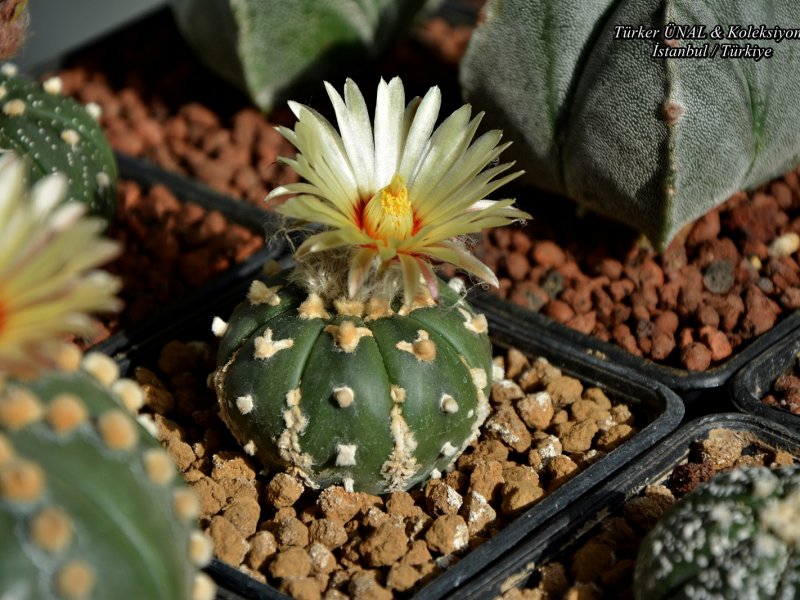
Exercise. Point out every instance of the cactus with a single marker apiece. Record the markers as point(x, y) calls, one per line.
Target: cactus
point(348, 369)
point(735, 536)
point(90, 504)
point(269, 48)
point(653, 142)
point(59, 135)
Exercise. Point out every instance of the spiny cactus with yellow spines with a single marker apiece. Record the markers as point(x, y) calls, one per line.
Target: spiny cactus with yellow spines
point(90, 505)
point(357, 367)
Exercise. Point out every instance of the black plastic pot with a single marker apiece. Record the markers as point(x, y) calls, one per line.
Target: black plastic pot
point(753, 382)
point(187, 190)
point(658, 409)
point(563, 534)
point(703, 392)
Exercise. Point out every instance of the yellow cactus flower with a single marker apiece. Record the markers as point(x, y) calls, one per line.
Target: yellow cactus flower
point(401, 193)
point(48, 252)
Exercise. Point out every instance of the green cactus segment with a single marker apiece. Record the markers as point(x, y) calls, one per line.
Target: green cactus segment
point(373, 397)
point(736, 536)
point(58, 134)
point(90, 504)
point(268, 47)
point(653, 142)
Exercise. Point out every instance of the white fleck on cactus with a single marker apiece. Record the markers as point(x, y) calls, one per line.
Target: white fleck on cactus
point(357, 367)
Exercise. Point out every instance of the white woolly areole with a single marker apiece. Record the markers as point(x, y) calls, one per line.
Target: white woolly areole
point(53, 85)
point(71, 137)
point(260, 293)
point(448, 404)
point(266, 347)
point(102, 179)
point(94, 110)
point(14, 108)
point(346, 455)
point(245, 404)
point(250, 448)
point(219, 327)
point(448, 449)
point(782, 517)
point(344, 396)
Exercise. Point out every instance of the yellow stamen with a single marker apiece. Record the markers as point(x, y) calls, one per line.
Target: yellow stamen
point(388, 215)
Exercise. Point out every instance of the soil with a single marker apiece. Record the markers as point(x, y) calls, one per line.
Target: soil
point(785, 393)
point(601, 564)
point(169, 247)
point(544, 428)
point(729, 278)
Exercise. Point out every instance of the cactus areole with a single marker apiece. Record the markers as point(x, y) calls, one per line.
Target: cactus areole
point(357, 367)
point(735, 536)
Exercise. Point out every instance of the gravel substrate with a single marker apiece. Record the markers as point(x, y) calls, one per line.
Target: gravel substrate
point(785, 392)
point(601, 565)
point(543, 429)
point(168, 248)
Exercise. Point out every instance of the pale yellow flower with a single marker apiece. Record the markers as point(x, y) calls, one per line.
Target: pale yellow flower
point(402, 193)
point(48, 252)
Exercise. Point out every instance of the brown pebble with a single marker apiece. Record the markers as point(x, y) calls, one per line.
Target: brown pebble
point(229, 545)
point(283, 490)
point(292, 562)
point(448, 533)
point(696, 356)
point(384, 546)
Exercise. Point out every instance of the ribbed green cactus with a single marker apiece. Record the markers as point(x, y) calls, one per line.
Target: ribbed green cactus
point(270, 47)
point(735, 536)
point(90, 505)
point(654, 142)
point(372, 396)
point(58, 135)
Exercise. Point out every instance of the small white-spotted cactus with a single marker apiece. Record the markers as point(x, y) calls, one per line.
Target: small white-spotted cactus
point(356, 368)
point(603, 108)
point(270, 48)
point(734, 536)
point(60, 136)
point(91, 506)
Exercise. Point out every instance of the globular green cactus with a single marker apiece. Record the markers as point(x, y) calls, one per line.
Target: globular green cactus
point(269, 48)
point(58, 135)
point(91, 506)
point(735, 536)
point(375, 396)
point(357, 367)
point(615, 124)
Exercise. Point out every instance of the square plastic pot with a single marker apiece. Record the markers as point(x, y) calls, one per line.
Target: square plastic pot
point(755, 380)
point(659, 411)
point(562, 535)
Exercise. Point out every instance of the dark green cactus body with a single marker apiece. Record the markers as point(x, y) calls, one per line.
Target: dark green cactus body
point(90, 504)
point(624, 126)
point(370, 396)
point(57, 134)
point(269, 48)
point(736, 536)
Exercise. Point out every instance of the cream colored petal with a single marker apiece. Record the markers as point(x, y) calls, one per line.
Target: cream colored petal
point(327, 240)
point(459, 256)
point(356, 131)
point(389, 112)
point(360, 266)
point(311, 208)
point(411, 275)
point(419, 133)
point(445, 147)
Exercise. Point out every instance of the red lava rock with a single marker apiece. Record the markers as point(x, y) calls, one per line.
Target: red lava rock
point(667, 322)
point(584, 323)
point(717, 342)
point(559, 310)
point(706, 228)
point(548, 254)
point(695, 356)
point(760, 312)
point(517, 265)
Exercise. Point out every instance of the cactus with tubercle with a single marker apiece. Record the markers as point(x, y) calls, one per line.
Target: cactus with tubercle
point(357, 367)
point(604, 110)
point(91, 506)
point(273, 48)
point(734, 536)
point(59, 135)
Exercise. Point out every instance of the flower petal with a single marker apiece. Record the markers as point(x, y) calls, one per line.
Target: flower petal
point(360, 265)
point(389, 112)
point(462, 258)
point(411, 274)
